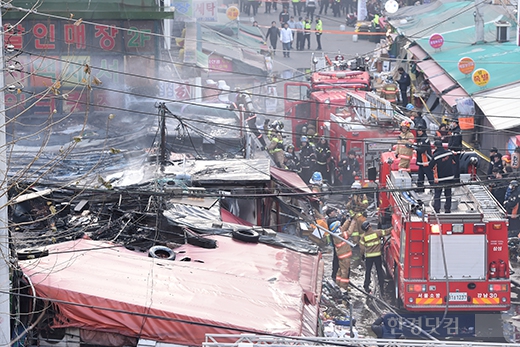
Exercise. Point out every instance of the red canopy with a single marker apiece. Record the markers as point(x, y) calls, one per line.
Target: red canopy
point(229, 217)
point(291, 179)
point(235, 288)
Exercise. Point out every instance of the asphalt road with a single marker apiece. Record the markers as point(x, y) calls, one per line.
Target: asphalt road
point(332, 43)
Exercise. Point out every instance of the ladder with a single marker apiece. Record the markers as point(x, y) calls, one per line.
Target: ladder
point(251, 340)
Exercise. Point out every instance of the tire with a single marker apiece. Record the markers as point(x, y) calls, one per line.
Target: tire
point(32, 253)
point(161, 252)
point(250, 236)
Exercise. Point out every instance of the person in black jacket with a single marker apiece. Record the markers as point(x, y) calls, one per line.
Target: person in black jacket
point(442, 165)
point(404, 82)
point(455, 145)
point(424, 155)
point(322, 158)
point(349, 168)
point(493, 152)
point(307, 159)
point(498, 186)
point(273, 34)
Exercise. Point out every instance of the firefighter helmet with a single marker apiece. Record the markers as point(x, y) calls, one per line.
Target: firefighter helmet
point(405, 123)
point(409, 107)
point(365, 225)
point(506, 158)
point(277, 124)
point(304, 139)
point(514, 183)
point(316, 178)
point(334, 227)
point(356, 185)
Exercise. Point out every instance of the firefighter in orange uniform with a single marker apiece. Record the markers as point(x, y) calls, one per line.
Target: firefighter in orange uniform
point(343, 251)
point(404, 146)
point(370, 244)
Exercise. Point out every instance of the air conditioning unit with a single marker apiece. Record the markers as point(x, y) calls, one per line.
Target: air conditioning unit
point(68, 337)
point(502, 31)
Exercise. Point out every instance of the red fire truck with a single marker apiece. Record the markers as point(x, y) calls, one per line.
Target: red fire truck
point(337, 105)
point(459, 260)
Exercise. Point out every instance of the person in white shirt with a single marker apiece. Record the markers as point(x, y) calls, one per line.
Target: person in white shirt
point(286, 37)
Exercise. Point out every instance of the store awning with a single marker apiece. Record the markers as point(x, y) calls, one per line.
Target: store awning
point(500, 106)
point(450, 98)
point(418, 52)
point(290, 179)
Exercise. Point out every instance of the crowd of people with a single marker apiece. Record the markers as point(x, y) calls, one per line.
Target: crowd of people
point(294, 34)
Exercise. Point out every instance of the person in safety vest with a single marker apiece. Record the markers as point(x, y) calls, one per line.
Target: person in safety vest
point(276, 149)
point(319, 31)
point(370, 244)
point(404, 149)
point(424, 155)
point(356, 207)
point(343, 251)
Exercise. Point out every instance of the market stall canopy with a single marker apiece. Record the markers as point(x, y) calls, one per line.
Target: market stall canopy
point(290, 179)
point(501, 106)
point(443, 85)
point(237, 287)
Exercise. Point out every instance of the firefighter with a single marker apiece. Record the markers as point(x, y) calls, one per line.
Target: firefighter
point(316, 182)
point(424, 155)
point(455, 146)
point(356, 206)
point(307, 159)
point(323, 157)
point(370, 245)
point(404, 146)
point(344, 253)
point(511, 205)
point(276, 149)
point(291, 161)
point(442, 165)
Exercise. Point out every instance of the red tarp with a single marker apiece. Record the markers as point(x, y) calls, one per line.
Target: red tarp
point(238, 286)
point(229, 217)
point(291, 179)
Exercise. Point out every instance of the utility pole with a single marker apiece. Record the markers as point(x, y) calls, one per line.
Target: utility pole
point(162, 125)
point(479, 21)
point(5, 317)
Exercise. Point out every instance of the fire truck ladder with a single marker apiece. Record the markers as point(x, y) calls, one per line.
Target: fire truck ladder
point(417, 269)
point(251, 340)
point(490, 209)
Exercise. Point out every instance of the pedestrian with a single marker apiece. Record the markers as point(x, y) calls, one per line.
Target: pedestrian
point(254, 5)
point(296, 7)
point(370, 245)
point(299, 34)
point(455, 146)
point(323, 155)
point(286, 37)
point(424, 155)
point(493, 152)
point(284, 17)
point(403, 82)
point(442, 165)
point(255, 24)
point(336, 8)
point(275, 5)
point(292, 26)
point(404, 149)
point(349, 168)
point(307, 159)
point(307, 33)
point(311, 6)
point(319, 31)
point(324, 6)
point(268, 6)
point(273, 33)
point(344, 253)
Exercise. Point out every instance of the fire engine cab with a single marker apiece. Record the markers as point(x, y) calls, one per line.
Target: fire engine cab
point(337, 104)
point(457, 260)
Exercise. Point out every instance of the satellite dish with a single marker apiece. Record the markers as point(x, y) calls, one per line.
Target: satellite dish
point(391, 6)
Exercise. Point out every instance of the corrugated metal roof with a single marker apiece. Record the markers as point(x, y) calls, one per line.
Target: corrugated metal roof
point(501, 106)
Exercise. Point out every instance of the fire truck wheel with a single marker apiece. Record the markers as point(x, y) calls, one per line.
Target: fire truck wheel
point(398, 301)
point(161, 252)
point(246, 235)
point(32, 253)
